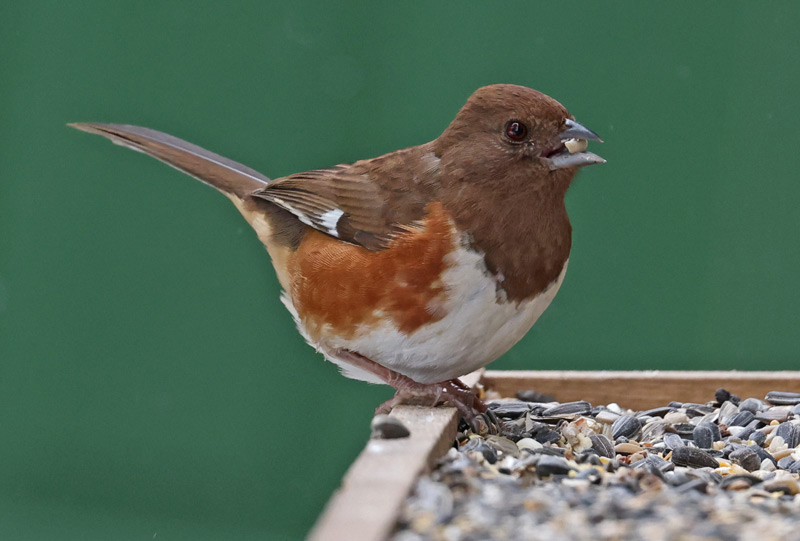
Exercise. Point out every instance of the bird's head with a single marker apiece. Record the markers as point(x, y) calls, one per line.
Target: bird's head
point(509, 124)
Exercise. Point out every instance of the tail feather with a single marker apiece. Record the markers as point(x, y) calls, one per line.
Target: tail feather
point(227, 176)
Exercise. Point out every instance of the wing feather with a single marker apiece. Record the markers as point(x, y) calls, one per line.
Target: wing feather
point(365, 203)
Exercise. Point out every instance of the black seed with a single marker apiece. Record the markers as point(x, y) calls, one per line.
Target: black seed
point(673, 441)
point(703, 436)
point(535, 396)
point(678, 477)
point(751, 479)
point(589, 457)
point(762, 454)
point(656, 412)
point(758, 437)
point(546, 435)
point(753, 405)
point(786, 462)
point(627, 426)
point(650, 468)
point(695, 484)
point(715, 430)
point(602, 445)
point(722, 395)
point(591, 475)
point(697, 410)
point(741, 419)
point(789, 433)
point(552, 465)
point(513, 429)
point(782, 398)
point(509, 410)
point(684, 429)
point(478, 445)
point(580, 407)
point(747, 458)
point(549, 451)
point(693, 458)
point(755, 424)
point(779, 414)
point(655, 461)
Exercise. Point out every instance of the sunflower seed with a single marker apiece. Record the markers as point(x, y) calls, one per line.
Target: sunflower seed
point(509, 410)
point(552, 465)
point(626, 426)
point(602, 445)
point(684, 429)
point(758, 437)
point(477, 445)
point(726, 411)
point(656, 412)
point(747, 458)
point(741, 418)
point(782, 398)
point(775, 413)
point(653, 431)
point(703, 436)
point(503, 445)
point(790, 434)
point(753, 405)
point(748, 480)
point(535, 396)
point(673, 441)
point(693, 457)
point(722, 395)
point(580, 407)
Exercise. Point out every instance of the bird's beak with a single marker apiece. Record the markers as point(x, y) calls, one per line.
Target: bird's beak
point(572, 150)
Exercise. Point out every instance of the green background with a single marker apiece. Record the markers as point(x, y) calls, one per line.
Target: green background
point(151, 384)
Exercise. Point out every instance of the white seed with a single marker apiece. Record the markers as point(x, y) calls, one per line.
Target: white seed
point(675, 417)
point(529, 443)
point(576, 145)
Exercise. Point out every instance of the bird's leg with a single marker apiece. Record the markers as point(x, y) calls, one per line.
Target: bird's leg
point(452, 391)
point(479, 405)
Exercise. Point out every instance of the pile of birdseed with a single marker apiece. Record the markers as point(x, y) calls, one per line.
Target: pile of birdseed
point(727, 469)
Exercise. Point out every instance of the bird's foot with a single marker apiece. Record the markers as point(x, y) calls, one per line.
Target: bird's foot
point(453, 392)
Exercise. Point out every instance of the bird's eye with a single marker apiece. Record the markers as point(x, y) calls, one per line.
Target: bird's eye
point(516, 130)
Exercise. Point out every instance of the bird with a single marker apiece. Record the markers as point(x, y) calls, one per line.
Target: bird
point(422, 265)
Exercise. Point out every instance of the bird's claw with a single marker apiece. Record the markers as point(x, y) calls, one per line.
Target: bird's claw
point(478, 417)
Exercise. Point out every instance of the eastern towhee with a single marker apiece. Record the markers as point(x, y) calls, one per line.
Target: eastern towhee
point(421, 265)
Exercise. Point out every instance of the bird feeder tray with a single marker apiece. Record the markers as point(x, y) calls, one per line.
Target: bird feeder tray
point(367, 505)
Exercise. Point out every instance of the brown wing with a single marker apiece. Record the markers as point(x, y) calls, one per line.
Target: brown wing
point(365, 203)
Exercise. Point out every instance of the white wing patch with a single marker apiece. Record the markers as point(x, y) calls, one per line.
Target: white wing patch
point(326, 222)
point(330, 219)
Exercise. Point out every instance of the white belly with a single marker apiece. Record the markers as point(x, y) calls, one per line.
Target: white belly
point(477, 329)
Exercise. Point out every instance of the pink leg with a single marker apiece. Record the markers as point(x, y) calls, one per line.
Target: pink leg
point(452, 391)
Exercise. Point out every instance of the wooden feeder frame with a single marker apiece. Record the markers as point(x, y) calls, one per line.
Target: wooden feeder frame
point(367, 505)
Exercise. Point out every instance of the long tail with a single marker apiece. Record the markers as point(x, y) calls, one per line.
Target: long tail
point(231, 178)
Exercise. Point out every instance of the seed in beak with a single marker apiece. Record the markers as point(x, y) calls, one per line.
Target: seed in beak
point(576, 145)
